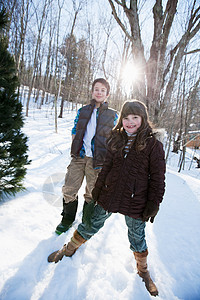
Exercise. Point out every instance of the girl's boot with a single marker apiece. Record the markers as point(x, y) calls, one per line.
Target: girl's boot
point(68, 250)
point(141, 259)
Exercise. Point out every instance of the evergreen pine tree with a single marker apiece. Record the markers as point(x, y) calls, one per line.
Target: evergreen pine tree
point(13, 143)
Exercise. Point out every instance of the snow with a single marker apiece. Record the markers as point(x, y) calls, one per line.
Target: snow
point(104, 268)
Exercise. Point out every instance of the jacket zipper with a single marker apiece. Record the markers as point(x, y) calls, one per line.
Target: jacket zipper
point(119, 172)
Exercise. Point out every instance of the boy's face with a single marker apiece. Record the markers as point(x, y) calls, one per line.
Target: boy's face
point(99, 93)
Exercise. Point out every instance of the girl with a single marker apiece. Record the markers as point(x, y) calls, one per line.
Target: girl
point(131, 182)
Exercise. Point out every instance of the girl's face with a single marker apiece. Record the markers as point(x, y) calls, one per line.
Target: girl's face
point(131, 123)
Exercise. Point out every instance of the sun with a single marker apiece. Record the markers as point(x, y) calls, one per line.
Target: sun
point(129, 72)
point(129, 75)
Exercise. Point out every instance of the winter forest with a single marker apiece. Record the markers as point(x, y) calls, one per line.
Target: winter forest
point(50, 53)
point(147, 50)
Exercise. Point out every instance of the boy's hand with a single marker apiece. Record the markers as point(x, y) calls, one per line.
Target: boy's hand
point(150, 211)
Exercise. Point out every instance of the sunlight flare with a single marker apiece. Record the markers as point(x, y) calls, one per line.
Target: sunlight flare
point(129, 75)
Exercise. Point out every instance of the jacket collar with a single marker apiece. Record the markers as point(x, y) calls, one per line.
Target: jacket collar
point(103, 106)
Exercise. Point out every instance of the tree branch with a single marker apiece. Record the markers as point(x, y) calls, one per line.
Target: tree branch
point(118, 20)
point(121, 4)
point(192, 51)
point(169, 15)
point(186, 37)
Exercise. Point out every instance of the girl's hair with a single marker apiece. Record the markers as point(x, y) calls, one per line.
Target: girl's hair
point(118, 137)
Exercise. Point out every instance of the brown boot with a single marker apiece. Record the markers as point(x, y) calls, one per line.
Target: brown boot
point(68, 250)
point(141, 259)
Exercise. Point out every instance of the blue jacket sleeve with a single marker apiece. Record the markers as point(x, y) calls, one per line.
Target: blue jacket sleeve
point(76, 121)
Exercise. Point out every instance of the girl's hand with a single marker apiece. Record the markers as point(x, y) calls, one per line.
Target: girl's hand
point(150, 211)
point(95, 193)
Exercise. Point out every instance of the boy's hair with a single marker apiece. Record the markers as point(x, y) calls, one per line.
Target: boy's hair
point(104, 82)
point(118, 137)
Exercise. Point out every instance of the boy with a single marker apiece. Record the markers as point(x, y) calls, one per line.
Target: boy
point(92, 125)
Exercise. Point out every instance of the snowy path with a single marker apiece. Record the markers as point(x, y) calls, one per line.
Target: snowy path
point(103, 268)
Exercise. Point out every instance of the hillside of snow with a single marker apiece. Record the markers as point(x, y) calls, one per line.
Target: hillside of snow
point(103, 268)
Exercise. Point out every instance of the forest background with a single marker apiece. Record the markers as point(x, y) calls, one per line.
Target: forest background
point(148, 50)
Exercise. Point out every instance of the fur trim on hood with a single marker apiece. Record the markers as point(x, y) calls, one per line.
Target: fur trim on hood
point(159, 134)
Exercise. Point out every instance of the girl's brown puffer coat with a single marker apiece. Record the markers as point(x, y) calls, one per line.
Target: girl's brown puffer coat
point(126, 183)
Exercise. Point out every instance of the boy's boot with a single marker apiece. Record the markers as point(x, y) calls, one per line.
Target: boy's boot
point(69, 214)
point(141, 259)
point(68, 250)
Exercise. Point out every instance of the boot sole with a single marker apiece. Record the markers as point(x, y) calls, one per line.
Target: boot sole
point(60, 232)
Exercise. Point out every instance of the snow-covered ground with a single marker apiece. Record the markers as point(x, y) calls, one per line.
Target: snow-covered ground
point(103, 268)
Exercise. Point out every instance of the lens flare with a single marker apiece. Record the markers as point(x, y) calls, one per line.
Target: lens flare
point(129, 76)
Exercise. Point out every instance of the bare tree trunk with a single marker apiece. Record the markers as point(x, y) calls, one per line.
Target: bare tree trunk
point(173, 121)
point(190, 100)
point(57, 89)
point(156, 63)
point(108, 33)
point(47, 71)
point(66, 49)
point(136, 41)
point(35, 63)
point(24, 23)
point(179, 49)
